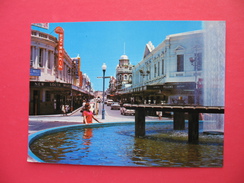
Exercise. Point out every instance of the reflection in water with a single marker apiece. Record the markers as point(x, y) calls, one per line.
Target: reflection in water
point(86, 141)
point(193, 155)
point(117, 146)
point(87, 137)
point(170, 150)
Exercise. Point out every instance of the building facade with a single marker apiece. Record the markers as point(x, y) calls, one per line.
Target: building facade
point(171, 73)
point(123, 73)
point(50, 88)
point(123, 78)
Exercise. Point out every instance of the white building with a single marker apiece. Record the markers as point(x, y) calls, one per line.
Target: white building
point(49, 87)
point(170, 73)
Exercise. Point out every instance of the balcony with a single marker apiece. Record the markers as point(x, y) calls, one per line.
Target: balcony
point(42, 35)
point(123, 70)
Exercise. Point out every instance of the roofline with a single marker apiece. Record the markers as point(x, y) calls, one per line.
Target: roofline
point(184, 33)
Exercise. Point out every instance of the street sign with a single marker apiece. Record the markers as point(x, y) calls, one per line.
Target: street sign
point(35, 72)
point(105, 77)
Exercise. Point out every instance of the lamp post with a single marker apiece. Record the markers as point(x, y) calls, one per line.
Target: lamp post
point(194, 62)
point(143, 74)
point(104, 67)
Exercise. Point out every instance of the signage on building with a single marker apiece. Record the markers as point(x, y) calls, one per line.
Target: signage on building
point(171, 86)
point(49, 84)
point(60, 32)
point(177, 86)
point(35, 72)
point(42, 25)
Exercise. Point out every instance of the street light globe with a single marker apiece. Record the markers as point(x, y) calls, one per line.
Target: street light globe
point(104, 67)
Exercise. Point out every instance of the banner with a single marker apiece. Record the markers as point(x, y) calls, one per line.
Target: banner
point(50, 84)
point(81, 78)
point(60, 31)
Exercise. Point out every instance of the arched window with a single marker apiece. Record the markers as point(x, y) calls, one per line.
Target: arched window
point(130, 78)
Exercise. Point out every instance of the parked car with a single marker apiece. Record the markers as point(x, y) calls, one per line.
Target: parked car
point(109, 102)
point(124, 111)
point(115, 106)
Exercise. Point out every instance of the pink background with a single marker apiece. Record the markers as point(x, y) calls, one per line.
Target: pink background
point(15, 19)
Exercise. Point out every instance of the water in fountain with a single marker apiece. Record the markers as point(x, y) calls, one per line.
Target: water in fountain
point(214, 72)
point(114, 144)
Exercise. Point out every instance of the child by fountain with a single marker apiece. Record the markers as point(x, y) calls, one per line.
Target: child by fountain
point(88, 115)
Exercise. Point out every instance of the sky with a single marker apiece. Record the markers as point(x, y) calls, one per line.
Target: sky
point(104, 42)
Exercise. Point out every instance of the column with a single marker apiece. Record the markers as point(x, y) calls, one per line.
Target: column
point(140, 122)
point(179, 120)
point(36, 51)
point(193, 127)
point(45, 64)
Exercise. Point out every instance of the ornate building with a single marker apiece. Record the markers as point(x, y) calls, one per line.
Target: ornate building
point(123, 73)
point(51, 87)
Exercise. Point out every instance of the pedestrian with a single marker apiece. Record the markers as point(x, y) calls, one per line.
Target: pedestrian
point(160, 114)
point(66, 109)
point(63, 109)
point(88, 115)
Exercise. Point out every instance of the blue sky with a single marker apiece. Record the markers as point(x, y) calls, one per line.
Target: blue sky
point(103, 42)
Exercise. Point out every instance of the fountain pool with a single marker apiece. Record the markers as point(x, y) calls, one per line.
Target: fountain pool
point(114, 144)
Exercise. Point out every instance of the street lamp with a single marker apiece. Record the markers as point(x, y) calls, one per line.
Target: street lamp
point(104, 67)
point(143, 74)
point(194, 62)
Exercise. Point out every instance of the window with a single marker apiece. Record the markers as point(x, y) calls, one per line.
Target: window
point(180, 63)
point(130, 78)
point(162, 67)
point(40, 61)
point(125, 77)
point(155, 70)
point(49, 59)
point(158, 68)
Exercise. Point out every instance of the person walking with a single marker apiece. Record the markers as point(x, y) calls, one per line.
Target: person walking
point(63, 109)
point(88, 115)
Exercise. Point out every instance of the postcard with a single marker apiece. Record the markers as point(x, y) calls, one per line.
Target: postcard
point(127, 93)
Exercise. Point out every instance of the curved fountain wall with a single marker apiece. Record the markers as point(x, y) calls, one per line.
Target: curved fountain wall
point(214, 72)
point(39, 134)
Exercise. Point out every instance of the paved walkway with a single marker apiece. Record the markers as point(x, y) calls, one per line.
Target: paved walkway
point(75, 116)
point(41, 122)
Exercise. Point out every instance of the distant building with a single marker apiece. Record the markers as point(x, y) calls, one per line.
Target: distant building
point(112, 87)
point(98, 95)
point(123, 73)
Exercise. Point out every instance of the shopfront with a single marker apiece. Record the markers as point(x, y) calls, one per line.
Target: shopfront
point(48, 97)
